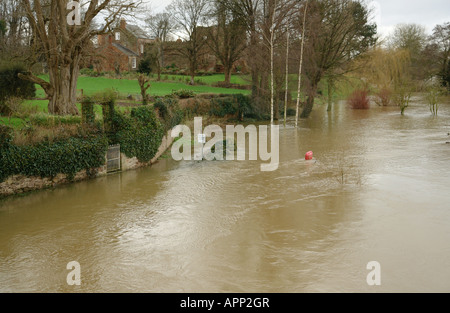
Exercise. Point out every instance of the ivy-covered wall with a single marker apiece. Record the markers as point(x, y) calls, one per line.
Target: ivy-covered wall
point(48, 159)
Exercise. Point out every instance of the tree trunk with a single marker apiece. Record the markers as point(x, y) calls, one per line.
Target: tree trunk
point(63, 100)
point(276, 108)
point(253, 64)
point(272, 95)
point(330, 84)
point(287, 79)
point(160, 62)
point(192, 66)
point(309, 103)
point(227, 75)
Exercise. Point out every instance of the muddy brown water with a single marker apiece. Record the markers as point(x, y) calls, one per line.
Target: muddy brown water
point(379, 191)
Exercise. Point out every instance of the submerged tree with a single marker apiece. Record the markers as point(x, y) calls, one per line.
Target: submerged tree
point(61, 43)
point(339, 32)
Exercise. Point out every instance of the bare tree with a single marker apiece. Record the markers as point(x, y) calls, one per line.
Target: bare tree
point(161, 26)
point(190, 16)
point(413, 38)
point(250, 12)
point(339, 32)
point(287, 78)
point(441, 38)
point(277, 15)
point(16, 32)
point(227, 36)
point(62, 44)
point(305, 9)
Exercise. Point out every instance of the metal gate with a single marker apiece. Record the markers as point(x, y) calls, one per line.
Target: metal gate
point(113, 159)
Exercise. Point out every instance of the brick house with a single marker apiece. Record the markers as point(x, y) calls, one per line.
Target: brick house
point(121, 49)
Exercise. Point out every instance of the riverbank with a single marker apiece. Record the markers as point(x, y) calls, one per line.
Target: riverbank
point(54, 152)
point(19, 184)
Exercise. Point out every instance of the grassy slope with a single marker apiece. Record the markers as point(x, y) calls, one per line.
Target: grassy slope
point(92, 85)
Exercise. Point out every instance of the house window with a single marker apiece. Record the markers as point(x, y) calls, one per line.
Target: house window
point(133, 62)
point(117, 36)
point(142, 48)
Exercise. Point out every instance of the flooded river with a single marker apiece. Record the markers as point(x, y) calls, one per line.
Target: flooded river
point(379, 191)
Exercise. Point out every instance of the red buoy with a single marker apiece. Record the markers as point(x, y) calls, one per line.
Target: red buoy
point(309, 155)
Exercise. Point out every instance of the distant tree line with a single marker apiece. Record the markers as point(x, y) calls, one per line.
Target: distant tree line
point(337, 35)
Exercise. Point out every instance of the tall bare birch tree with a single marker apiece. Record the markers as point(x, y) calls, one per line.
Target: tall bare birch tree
point(287, 77)
point(297, 108)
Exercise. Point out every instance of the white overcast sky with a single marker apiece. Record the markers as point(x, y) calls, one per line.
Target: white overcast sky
point(387, 13)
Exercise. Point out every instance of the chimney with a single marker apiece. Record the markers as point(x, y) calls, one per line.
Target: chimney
point(123, 24)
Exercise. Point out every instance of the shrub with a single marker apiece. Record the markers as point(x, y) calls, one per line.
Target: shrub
point(238, 105)
point(383, 97)
point(359, 99)
point(196, 106)
point(222, 106)
point(183, 93)
point(12, 106)
point(139, 134)
point(402, 95)
point(145, 66)
point(107, 99)
point(91, 72)
point(5, 136)
point(50, 121)
point(169, 111)
point(12, 86)
point(433, 97)
point(87, 111)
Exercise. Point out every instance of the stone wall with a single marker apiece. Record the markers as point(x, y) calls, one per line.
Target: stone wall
point(20, 184)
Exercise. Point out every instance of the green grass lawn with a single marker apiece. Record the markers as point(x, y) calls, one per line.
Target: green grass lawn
point(91, 85)
point(210, 79)
point(125, 87)
point(13, 122)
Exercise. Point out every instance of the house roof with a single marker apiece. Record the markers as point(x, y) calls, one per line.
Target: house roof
point(125, 50)
point(137, 31)
point(134, 29)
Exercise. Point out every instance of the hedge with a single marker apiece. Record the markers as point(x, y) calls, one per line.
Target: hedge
point(48, 159)
point(139, 134)
point(170, 111)
point(238, 105)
